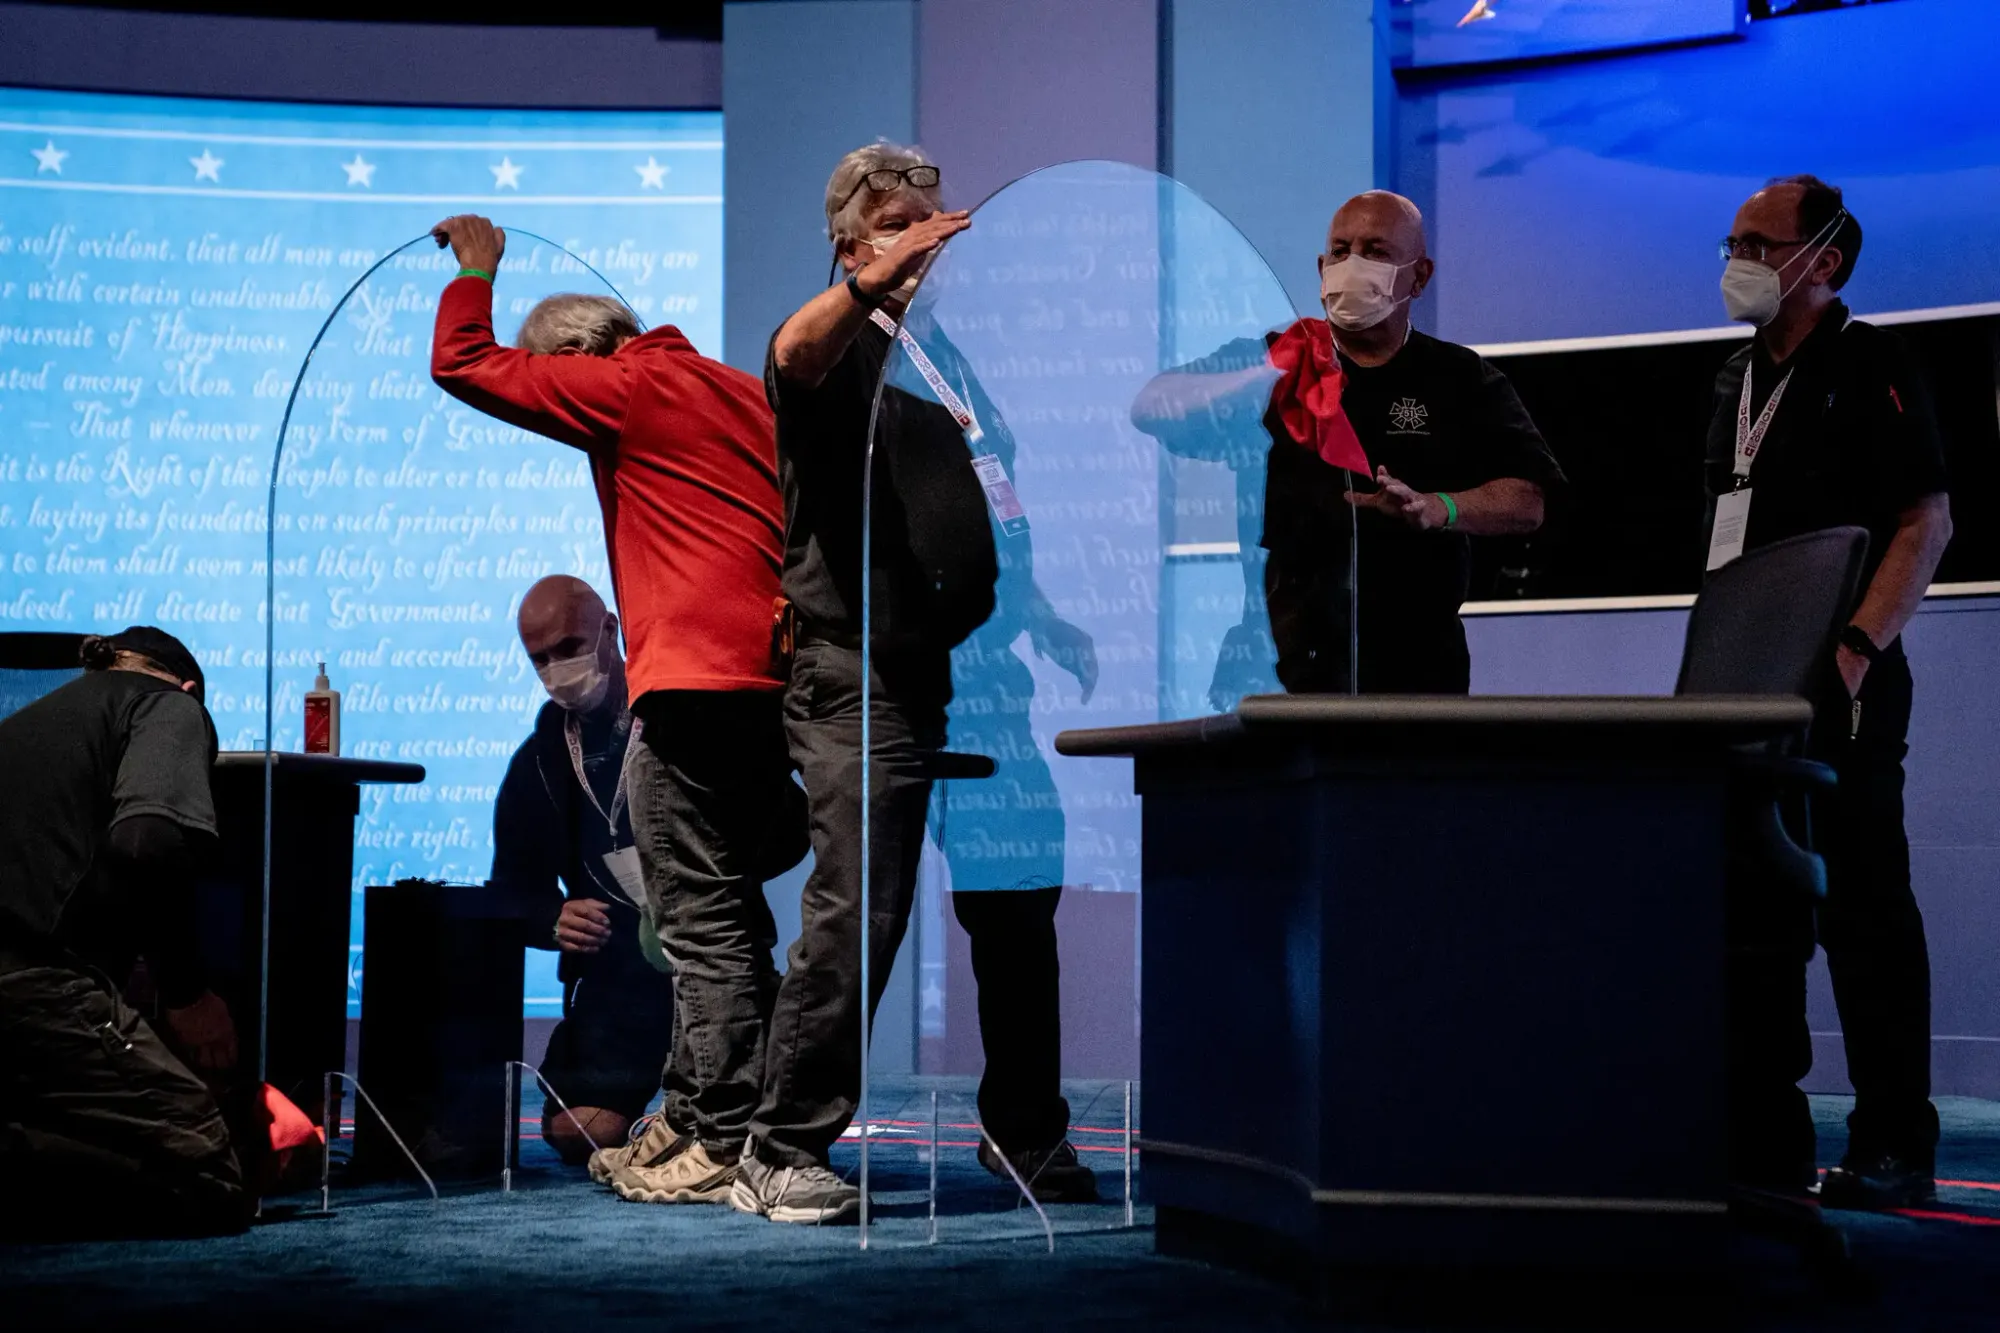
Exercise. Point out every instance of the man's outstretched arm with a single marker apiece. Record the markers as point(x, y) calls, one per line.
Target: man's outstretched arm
point(576, 399)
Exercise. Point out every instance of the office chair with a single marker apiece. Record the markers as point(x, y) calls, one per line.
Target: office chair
point(1768, 623)
point(32, 664)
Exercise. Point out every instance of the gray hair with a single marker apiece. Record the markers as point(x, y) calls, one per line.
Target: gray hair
point(848, 201)
point(591, 324)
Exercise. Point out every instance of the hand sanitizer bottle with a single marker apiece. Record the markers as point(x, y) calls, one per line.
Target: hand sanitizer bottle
point(322, 716)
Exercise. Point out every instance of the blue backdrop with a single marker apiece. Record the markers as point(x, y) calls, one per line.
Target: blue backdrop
point(164, 264)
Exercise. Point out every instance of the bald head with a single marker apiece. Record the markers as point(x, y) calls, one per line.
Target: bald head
point(1378, 224)
point(562, 617)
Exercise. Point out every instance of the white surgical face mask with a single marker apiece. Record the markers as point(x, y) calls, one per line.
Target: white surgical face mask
point(577, 683)
point(1360, 293)
point(1753, 291)
point(882, 245)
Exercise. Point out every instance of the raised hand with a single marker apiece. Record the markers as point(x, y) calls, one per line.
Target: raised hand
point(474, 240)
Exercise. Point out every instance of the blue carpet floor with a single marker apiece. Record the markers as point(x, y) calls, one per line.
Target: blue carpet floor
point(558, 1254)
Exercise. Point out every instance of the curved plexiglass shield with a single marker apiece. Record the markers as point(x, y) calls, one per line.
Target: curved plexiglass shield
point(1070, 453)
point(406, 524)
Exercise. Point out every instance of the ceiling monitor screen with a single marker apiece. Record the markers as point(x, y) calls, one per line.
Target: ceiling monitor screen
point(1429, 34)
point(164, 265)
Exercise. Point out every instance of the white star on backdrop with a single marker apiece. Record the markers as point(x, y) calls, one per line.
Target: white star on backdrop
point(359, 172)
point(49, 158)
point(207, 167)
point(506, 176)
point(652, 176)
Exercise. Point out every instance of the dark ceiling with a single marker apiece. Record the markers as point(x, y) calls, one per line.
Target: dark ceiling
point(688, 19)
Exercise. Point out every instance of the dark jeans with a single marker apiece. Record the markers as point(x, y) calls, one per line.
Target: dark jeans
point(709, 769)
point(813, 1074)
point(1870, 926)
point(102, 1130)
point(617, 1033)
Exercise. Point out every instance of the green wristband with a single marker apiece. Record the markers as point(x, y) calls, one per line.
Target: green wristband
point(475, 273)
point(1450, 509)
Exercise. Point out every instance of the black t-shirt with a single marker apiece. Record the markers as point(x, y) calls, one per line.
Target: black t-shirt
point(933, 553)
point(1854, 440)
point(107, 746)
point(1440, 418)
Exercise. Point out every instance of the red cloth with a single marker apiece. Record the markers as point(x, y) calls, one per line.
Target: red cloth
point(288, 1125)
point(684, 453)
point(1307, 395)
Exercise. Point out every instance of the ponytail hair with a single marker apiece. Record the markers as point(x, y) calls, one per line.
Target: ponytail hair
point(97, 653)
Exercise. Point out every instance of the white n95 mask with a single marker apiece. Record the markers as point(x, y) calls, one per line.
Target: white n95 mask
point(576, 683)
point(882, 245)
point(1360, 293)
point(1752, 291)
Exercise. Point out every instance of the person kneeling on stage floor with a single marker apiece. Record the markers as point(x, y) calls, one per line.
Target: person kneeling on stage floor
point(561, 816)
point(683, 455)
point(1423, 441)
point(105, 1123)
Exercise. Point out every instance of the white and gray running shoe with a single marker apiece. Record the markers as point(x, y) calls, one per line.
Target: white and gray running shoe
point(800, 1194)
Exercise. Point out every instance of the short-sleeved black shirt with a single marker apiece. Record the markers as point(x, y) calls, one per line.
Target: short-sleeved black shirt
point(1440, 418)
point(933, 553)
point(107, 746)
point(1854, 440)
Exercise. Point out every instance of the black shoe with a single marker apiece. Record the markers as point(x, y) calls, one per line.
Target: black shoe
point(1053, 1175)
point(1873, 1184)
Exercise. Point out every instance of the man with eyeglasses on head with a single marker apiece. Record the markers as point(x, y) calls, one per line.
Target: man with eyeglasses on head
point(933, 574)
point(1450, 453)
point(1822, 421)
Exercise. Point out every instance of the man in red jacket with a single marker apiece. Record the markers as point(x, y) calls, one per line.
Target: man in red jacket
point(684, 456)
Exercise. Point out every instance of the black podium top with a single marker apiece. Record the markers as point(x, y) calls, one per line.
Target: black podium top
point(1649, 726)
point(320, 767)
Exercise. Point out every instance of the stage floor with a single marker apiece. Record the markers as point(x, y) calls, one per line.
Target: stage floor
point(560, 1252)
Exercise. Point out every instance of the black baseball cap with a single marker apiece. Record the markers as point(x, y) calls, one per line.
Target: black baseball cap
point(163, 650)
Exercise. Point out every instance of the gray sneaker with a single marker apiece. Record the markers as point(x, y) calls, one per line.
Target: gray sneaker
point(810, 1194)
point(689, 1176)
point(651, 1142)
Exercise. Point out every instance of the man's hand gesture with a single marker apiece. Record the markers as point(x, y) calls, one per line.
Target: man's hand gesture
point(583, 926)
point(1419, 509)
point(474, 240)
point(889, 270)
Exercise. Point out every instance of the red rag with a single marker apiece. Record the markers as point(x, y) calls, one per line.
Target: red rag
point(1307, 395)
point(289, 1127)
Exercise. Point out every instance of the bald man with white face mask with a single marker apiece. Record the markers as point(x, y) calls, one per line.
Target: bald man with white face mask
point(1452, 454)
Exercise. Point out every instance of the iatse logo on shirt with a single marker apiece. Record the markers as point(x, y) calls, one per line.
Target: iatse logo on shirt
point(1409, 417)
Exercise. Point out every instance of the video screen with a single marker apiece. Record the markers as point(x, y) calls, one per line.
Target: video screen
point(164, 265)
point(1429, 34)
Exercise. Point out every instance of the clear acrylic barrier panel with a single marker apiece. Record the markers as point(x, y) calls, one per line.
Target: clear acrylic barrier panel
point(1106, 333)
point(405, 528)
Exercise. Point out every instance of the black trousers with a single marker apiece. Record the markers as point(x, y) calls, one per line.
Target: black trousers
point(1873, 935)
point(1399, 654)
point(705, 778)
point(813, 1068)
point(1870, 925)
point(103, 1131)
point(618, 1028)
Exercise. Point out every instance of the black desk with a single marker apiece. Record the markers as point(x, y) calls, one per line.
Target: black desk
point(1436, 984)
point(315, 799)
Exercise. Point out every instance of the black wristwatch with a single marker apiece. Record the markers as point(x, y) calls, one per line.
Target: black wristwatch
point(861, 297)
point(1856, 638)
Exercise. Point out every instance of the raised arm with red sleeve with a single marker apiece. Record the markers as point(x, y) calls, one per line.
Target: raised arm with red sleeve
point(577, 400)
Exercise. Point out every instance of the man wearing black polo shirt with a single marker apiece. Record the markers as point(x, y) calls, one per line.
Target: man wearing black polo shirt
point(1451, 450)
point(1821, 422)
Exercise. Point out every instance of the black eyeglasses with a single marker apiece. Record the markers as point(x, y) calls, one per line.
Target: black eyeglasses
point(887, 178)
